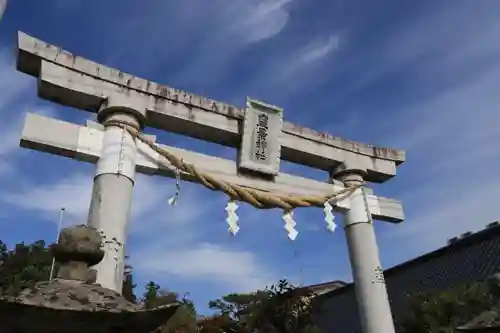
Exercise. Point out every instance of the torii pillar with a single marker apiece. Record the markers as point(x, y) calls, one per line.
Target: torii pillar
point(113, 185)
point(369, 284)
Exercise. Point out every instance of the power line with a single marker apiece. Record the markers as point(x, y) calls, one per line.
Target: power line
point(296, 255)
point(59, 226)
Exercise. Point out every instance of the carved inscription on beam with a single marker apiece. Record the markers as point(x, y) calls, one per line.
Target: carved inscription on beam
point(84, 144)
point(83, 84)
point(260, 147)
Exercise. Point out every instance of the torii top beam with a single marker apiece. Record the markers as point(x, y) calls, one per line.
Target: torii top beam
point(78, 82)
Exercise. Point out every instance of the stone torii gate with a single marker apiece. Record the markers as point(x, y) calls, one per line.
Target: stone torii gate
point(125, 104)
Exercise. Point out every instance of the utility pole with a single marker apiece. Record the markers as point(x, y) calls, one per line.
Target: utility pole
point(59, 227)
point(3, 6)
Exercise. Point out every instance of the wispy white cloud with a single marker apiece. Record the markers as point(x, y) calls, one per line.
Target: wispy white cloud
point(180, 254)
point(72, 193)
point(244, 23)
point(449, 180)
point(14, 87)
point(448, 42)
point(451, 34)
point(294, 70)
point(234, 269)
point(448, 213)
point(319, 49)
point(254, 21)
point(203, 38)
point(10, 132)
point(304, 61)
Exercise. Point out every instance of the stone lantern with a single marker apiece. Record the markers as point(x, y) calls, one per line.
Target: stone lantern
point(488, 321)
point(73, 302)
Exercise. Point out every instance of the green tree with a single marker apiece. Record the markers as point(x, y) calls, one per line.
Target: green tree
point(128, 284)
point(23, 266)
point(235, 312)
point(26, 265)
point(221, 324)
point(238, 306)
point(183, 321)
point(287, 309)
point(149, 298)
point(281, 308)
point(443, 311)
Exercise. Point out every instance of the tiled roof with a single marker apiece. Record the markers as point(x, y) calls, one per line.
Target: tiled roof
point(472, 258)
point(322, 288)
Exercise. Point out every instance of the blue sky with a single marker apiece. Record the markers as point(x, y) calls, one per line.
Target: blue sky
point(421, 76)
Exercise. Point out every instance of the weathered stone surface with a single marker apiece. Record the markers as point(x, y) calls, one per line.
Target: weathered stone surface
point(72, 303)
point(78, 248)
point(78, 243)
point(18, 317)
point(80, 239)
point(74, 295)
point(260, 148)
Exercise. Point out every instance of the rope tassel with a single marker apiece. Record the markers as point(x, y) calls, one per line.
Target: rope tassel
point(232, 218)
point(173, 200)
point(329, 217)
point(290, 225)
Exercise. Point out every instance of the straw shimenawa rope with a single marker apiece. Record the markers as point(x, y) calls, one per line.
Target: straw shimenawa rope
point(257, 198)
